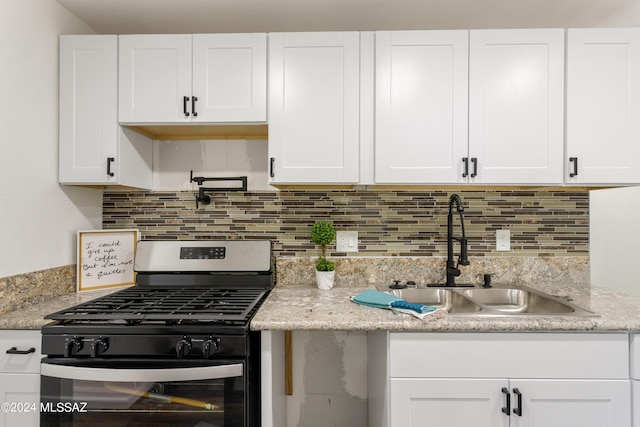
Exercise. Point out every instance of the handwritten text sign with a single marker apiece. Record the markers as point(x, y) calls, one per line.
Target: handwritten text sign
point(105, 258)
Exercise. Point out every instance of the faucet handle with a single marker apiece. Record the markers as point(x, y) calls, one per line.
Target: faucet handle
point(453, 271)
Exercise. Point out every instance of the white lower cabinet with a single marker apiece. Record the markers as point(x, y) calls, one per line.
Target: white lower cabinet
point(448, 401)
point(496, 380)
point(635, 377)
point(560, 403)
point(502, 403)
point(20, 378)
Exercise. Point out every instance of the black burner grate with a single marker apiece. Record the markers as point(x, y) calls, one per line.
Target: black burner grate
point(168, 305)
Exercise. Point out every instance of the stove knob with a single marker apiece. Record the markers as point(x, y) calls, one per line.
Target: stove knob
point(183, 347)
point(72, 346)
point(99, 346)
point(209, 347)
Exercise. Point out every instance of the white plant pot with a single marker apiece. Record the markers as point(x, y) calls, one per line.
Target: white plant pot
point(324, 279)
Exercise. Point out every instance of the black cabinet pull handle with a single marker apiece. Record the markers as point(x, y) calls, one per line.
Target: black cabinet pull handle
point(574, 160)
point(185, 99)
point(271, 171)
point(507, 409)
point(465, 160)
point(474, 160)
point(14, 350)
point(193, 105)
point(109, 161)
point(518, 409)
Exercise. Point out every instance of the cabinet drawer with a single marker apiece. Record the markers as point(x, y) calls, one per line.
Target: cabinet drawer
point(22, 340)
point(521, 355)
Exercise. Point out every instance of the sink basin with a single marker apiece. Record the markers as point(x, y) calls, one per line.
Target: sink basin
point(453, 302)
point(517, 301)
point(492, 302)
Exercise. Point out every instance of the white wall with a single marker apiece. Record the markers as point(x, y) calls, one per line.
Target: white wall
point(329, 379)
point(172, 161)
point(38, 217)
point(614, 238)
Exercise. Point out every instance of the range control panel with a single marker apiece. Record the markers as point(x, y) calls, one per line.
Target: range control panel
point(203, 252)
point(173, 256)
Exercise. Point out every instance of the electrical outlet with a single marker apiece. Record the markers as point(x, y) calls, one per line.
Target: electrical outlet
point(347, 241)
point(503, 240)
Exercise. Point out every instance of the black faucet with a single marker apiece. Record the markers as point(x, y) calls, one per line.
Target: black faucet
point(452, 267)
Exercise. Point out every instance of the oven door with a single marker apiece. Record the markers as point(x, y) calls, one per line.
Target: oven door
point(143, 393)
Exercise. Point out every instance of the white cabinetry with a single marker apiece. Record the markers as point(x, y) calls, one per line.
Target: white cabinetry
point(516, 106)
point(20, 378)
point(94, 150)
point(480, 106)
point(635, 378)
point(314, 107)
point(534, 380)
point(603, 106)
point(421, 106)
point(193, 78)
point(485, 402)
point(448, 402)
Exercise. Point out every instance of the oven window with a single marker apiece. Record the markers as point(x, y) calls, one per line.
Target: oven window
point(152, 397)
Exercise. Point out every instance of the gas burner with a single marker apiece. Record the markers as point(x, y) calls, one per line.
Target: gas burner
point(170, 305)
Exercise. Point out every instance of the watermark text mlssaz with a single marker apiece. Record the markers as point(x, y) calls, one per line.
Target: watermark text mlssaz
point(61, 406)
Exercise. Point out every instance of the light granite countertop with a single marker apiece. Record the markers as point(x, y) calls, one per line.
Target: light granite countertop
point(32, 317)
point(307, 308)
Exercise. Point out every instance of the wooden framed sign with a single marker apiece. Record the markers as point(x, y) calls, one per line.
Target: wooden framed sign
point(105, 258)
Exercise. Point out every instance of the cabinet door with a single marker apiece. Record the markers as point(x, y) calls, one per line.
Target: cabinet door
point(20, 397)
point(421, 106)
point(155, 78)
point(516, 105)
point(314, 107)
point(635, 393)
point(88, 108)
point(20, 377)
point(562, 403)
point(603, 105)
point(230, 77)
point(448, 402)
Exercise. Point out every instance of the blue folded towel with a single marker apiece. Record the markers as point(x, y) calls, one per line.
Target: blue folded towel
point(378, 299)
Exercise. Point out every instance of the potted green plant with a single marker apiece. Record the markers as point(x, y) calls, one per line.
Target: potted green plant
point(323, 233)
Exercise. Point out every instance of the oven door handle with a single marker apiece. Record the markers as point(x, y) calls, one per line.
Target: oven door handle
point(141, 375)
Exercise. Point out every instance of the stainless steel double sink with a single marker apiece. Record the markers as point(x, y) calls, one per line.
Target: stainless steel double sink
point(491, 302)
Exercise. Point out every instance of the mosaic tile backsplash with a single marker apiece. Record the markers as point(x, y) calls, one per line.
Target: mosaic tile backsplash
point(542, 223)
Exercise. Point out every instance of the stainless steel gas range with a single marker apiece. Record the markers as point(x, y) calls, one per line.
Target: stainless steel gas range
point(175, 349)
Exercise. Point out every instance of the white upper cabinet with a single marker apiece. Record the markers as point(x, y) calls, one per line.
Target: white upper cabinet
point(230, 73)
point(155, 78)
point(314, 107)
point(479, 106)
point(516, 106)
point(603, 106)
point(421, 106)
point(94, 150)
point(205, 78)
